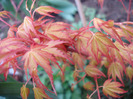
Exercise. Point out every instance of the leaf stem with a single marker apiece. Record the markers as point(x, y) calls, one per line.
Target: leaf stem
point(5, 22)
point(94, 92)
point(97, 88)
point(79, 80)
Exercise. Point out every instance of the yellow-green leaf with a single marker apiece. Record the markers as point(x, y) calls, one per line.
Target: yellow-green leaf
point(24, 92)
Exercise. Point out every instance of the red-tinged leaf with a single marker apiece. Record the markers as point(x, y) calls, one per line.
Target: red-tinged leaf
point(54, 43)
point(29, 27)
point(100, 43)
point(36, 57)
point(4, 14)
point(89, 86)
point(98, 23)
point(101, 2)
point(61, 73)
point(4, 69)
point(129, 72)
point(24, 92)
point(46, 10)
point(112, 88)
point(54, 51)
point(39, 93)
point(125, 52)
point(10, 46)
point(116, 56)
point(93, 71)
point(45, 65)
point(11, 31)
point(123, 33)
point(57, 30)
point(78, 59)
point(108, 27)
point(93, 61)
point(75, 75)
point(116, 70)
point(21, 33)
point(127, 30)
point(81, 42)
point(105, 62)
point(113, 33)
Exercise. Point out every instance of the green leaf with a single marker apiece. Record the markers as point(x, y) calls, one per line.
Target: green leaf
point(11, 89)
point(6, 4)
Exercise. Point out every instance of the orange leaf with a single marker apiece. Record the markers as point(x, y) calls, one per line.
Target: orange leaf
point(39, 93)
point(4, 14)
point(125, 52)
point(75, 75)
point(111, 88)
point(129, 72)
point(57, 30)
point(40, 55)
point(88, 86)
point(127, 30)
point(108, 27)
point(115, 69)
point(93, 71)
point(11, 31)
point(78, 59)
point(100, 43)
point(46, 10)
point(115, 55)
point(29, 27)
point(24, 92)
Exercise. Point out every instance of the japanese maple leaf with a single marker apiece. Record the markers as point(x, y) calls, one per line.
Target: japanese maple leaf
point(4, 14)
point(89, 86)
point(129, 72)
point(40, 93)
point(116, 56)
point(24, 92)
point(116, 70)
point(35, 57)
point(112, 88)
point(40, 55)
point(11, 31)
point(81, 42)
point(78, 59)
point(47, 10)
point(92, 71)
point(125, 52)
point(28, 27)
point(57, 30)
point(10, 50)
point(10, 46)
point(100, 43)
point(108, 27)
point(127, 30)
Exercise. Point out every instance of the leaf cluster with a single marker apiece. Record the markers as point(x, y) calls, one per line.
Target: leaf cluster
point(43, 42)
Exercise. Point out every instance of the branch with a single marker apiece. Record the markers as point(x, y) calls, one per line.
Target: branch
point(80, 11)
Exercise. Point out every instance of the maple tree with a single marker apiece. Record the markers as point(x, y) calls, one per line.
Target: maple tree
point(42, 42)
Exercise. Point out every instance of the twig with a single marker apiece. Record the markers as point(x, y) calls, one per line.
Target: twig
point(129, 10)
point(20, 3)
point(99, 97)
point(80, 10)
point(5, 22)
